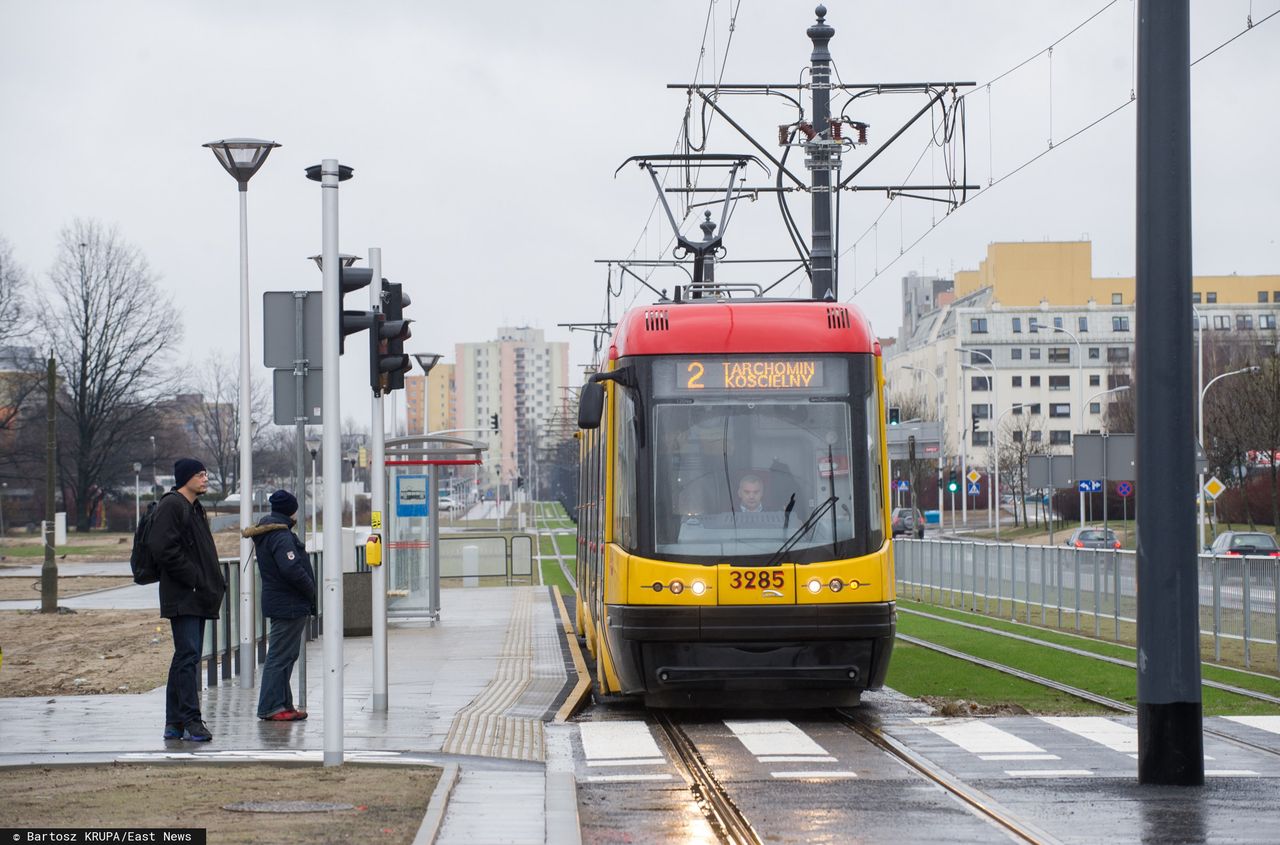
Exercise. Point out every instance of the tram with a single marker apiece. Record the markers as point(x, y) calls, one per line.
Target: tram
point(734, 545)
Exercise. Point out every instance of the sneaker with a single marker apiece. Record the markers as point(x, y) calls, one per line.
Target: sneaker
point(299, 715)
point(173, 730)
point(197, 731)
point(282, 716)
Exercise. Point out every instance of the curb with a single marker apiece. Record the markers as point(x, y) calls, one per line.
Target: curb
point(434, 817)
point(582, 689)
point(562, 826)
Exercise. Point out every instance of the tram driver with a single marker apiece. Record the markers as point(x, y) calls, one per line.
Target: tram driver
point(751, 494)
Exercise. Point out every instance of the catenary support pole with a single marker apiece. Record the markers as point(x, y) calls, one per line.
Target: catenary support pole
point(822, 254)
point(1170, 717)
point(49, 570)
point(331, 450)
point(377, 504)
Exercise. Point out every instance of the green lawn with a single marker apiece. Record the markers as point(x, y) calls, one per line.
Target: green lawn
point(552, 576)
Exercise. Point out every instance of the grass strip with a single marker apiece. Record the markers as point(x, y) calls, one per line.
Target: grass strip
point(918, 672)
point(552, 575)
point(568, 544)
point(1105, 679)
point(1221, 674)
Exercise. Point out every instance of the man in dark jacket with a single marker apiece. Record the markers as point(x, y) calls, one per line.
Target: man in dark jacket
point(288, 598)
point(191, 590)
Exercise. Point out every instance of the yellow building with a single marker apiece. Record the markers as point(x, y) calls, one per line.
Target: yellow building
point(430, 400)
point(1061, 273)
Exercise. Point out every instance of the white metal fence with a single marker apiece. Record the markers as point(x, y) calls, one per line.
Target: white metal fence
point(1093, 590)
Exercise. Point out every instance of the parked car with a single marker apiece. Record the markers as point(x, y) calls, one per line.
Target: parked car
point(1238, 543)
point(1093, 538)
point(908, 521)
point(448, 503)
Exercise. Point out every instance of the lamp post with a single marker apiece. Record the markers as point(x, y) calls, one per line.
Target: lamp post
point(964, 463)
point(1079, 395)
point(1119, 389)
point(1203, 391)
point(153, 468)
point(242, 157)
point(995, 440)
point(942, 437)
point(313, 446)
point(995, 403)
point(137, 497)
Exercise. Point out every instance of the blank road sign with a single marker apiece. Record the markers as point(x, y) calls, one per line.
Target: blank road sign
point(279, 329)
point(285, 394)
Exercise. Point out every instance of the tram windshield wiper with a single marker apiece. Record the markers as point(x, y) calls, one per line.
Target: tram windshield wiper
point(804, 528)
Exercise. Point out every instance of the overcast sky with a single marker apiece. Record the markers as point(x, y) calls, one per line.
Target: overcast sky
point(484, 138)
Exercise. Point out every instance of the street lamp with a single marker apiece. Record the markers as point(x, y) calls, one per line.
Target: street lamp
point(995, 403)
point(995, 441)
point(942, 438)
point(1200, 492)
point(242, 157)
point(964, 466)
point(153, 467)
point(313, 446)
point(426, 360)
point(137, 497)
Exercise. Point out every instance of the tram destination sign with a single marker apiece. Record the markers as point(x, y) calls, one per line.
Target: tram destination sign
point(781, 374)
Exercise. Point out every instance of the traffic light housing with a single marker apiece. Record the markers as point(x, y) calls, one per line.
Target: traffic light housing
point(976, 429)
point(895, 416)
point(387, 360)
point(493, 421)
point(953, 483)
point(349, 322)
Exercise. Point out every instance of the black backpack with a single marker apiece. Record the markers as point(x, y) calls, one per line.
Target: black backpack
point(146, 569)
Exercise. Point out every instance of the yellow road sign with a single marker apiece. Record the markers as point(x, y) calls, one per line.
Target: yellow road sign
point(973, 476)
point(1213, 487)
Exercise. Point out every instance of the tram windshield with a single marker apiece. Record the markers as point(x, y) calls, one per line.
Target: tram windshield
point(737, 476)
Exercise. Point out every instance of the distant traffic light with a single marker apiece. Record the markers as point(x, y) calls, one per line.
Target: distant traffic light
point(953, 483)
point(493, 421)
point(895, 416)
point(519, 481)
point(349, 322)
point(387, 361)
point(976, 429)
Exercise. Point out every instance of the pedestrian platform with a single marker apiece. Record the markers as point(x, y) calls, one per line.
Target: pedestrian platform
point(474, 688)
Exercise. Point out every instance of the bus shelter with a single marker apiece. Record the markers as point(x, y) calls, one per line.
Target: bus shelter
point(412, 547)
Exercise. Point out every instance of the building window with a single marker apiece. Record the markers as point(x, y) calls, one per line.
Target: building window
point(1059, 382)
point(1115, 380)
point(1262, 296)
point(1195, 297)
point(1221, 322)
point(982, 438)
point(978, 325)
point(1017, 435)
point(1017, 325)
point(1117, 354)
point(1059, 355)
point(979, 383)
point(1058, 437)
point(1035, 381)
point(1244, 322)
point(1083, 324)
point(1275, 296)
point(1119, 324)
point(1016, 353)
point(1033, 408)
point(1094, 353)
point(1200, 323)
point(1095, 407)
point(1036, 436)
point(1094, 380)
point(1266, 321)
point(1060, 409)
point(1035, 353)
point(1211, 297)
point(1117, 299)
point(1017, 381)
point(982, 412)
point(1057, 322)
point(1033, 325)
point(980, 357)
point(1017, 410)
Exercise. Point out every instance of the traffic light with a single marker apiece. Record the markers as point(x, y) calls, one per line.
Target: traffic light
point(493, 421)
point(976, 429)
point(895, 416)
point(387, 361)
point(349, 322)
point(519, 481)
point(953, 484)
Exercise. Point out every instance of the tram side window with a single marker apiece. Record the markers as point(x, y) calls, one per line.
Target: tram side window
point(624, 470)
point(875, 469)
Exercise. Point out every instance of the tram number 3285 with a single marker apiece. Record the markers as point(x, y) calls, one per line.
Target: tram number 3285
point(752, 579)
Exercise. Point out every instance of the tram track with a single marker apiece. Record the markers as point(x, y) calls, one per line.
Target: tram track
point(1077, 692)
point(975, 800)
point(727, 821)
point(1079, 652)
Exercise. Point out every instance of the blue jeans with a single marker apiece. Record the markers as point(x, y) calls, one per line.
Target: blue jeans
point(275, 695)
point(182, 694)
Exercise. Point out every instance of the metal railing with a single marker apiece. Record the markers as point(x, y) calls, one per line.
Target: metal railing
point(1092, 590)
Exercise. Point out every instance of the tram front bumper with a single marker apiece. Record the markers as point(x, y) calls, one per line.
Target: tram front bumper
point(751, 648)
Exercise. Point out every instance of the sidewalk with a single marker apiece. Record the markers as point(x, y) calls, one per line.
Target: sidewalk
point(475, 690)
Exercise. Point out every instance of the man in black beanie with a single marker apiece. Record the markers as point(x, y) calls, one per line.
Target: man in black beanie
point(288, 598)
point(191, 590)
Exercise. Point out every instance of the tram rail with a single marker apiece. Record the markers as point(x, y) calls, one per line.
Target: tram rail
point(728, 822)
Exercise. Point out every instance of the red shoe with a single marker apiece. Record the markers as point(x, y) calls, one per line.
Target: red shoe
point(282, 716)
point(299, 715)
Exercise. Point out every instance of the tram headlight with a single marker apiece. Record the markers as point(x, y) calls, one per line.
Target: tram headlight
point(698, 587)
point(836, 585)
point(657, 586)
point(815, 586)
point(676, 587)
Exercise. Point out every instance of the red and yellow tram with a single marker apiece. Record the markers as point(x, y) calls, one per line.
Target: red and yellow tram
point(733, 534)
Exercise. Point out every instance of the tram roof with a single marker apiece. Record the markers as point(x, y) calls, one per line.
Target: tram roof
point(703, 327)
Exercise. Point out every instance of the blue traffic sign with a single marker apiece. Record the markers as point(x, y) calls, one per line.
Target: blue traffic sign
point(1090, 486)
point(974, 489)
point(902, 484)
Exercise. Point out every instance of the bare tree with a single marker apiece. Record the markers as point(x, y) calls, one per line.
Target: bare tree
point(215, 414)
point(109, 326)
point(13, 279)
point(20, 365)
point(1021, 436)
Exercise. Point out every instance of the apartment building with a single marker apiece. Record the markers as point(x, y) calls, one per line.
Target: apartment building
point(429, 400)
point(1033, 342)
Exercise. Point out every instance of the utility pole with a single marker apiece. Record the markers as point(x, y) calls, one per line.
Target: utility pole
point(822, 154)
point(377, 504)
point(49, 571)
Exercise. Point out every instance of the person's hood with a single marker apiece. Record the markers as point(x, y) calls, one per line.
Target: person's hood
point(270, 522)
